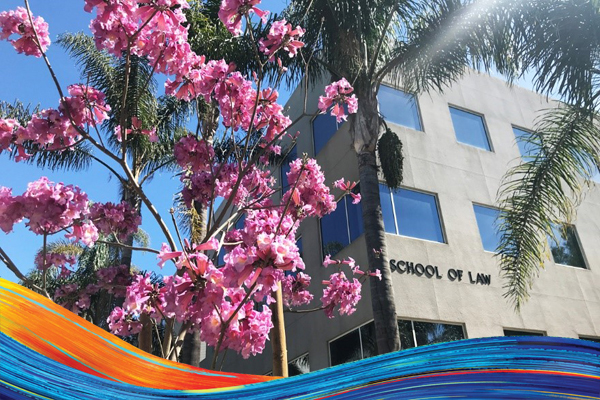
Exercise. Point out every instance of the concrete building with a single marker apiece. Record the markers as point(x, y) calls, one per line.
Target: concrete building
point(457, 147)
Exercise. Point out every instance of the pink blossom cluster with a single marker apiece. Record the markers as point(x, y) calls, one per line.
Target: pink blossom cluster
point(52, 129)
point(295, 289)
point(153, 29)
point(17, 22)
point(204, 186)
point(338, 95)
point(85, 106)
point(122, 219)
point(340, 291)
point(72, 298)
point(232, 11)
point(49, 208)
point(57, 260)
point(141, 297)
point(195, 154)
point(282, 36)
point(309, 196)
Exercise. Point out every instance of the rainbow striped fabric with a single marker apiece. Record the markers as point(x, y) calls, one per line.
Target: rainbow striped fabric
point(46, 352)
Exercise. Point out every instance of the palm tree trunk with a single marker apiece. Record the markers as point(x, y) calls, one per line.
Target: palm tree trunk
point(364, 129)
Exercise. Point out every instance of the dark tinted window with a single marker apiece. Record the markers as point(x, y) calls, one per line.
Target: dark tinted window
point(346, 348)
point(513, 332)
point(469, 128)
point(299, 366)
point(427, 333)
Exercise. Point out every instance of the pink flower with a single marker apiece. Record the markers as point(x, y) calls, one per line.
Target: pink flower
point(342, 293)
point(86, 232)
point(167, 254)
point(328, 261)
point(295, 289)
point(122, 220)
point(11, 209)
point(16, 22)
point(231, 13)
point(85, 106)
point(338, 95)
point(51, 207)
point(282, 36)
point(7, 133)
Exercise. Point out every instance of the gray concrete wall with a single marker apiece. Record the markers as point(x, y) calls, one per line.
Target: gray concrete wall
point(565, 301)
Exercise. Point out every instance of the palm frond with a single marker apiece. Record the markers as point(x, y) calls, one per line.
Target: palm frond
point(544, 190)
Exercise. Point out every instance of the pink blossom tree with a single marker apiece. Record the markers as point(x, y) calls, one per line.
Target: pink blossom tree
point(233, 304)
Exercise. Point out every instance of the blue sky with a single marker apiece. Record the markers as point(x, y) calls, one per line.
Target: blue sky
point(27, 79)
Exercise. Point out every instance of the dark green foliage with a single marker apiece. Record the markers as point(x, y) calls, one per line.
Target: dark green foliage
point(389, 149)
point(540, 192)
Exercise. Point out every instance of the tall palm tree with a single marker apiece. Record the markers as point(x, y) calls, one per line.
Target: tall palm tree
point(561, 47)
point(422, 45)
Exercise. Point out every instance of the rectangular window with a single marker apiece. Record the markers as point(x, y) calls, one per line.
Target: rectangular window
point(410, 213)
point(470, 129)
point(355, 345)
point(420, 333)
point(486, 220)
point(516, 332)
point(399, 107)
point(361, 342)
point(299, 366)
point(524, 142)
point(341, 227)
point(324, 127)
point(565, 246)
point(285, 167)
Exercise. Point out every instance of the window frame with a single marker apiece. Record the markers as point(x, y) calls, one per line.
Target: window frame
point(527, 130)
point(595, 339)
point(485, 127)
point(474, 203)
point(418, 104)
point(525, 331)
point(350, 241)
point(300, 356)
point(437, 206)
point(586, 266)
point(414, 332)
point(346, 333)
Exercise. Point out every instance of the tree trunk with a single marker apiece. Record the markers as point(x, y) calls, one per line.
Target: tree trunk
point(145, 335)
point(278, 341)
point(192, 345)
point(364, 129)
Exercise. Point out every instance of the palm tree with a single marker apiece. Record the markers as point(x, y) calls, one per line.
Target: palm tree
point(130, 91)
point(421, 45)
point(561, 46)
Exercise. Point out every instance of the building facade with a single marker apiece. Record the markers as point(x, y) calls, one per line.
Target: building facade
point(440, 236)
